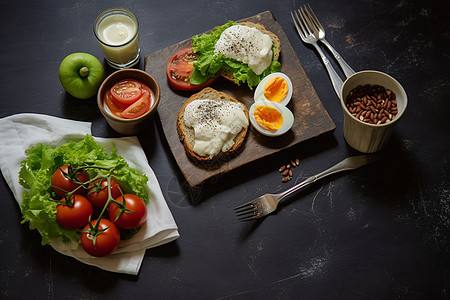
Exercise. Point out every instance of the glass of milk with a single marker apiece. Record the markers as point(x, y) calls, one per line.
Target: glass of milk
point(117, 32)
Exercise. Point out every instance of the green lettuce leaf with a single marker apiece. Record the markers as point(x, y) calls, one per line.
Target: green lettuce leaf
point(208, 64)
point(39, 202)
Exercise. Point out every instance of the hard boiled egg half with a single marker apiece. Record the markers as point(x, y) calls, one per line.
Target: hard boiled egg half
point(275, 87)
point(269, 114)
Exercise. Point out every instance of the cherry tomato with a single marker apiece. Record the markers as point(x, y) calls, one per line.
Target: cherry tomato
point(76, 215)
point(106, 241)
point(127, 91)
point(179, 70)
point(98, 191)
point(63, 182)
point(128, 220)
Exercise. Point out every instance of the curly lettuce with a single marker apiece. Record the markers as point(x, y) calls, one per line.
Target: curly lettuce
point(39, 201)
point(208, 64)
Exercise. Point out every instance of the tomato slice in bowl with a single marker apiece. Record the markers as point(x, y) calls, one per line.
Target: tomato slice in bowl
point(139, 107)
point(127, 91)
point(114, 106)
point(179, 69)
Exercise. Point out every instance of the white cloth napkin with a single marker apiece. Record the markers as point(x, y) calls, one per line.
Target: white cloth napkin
point(20, 132)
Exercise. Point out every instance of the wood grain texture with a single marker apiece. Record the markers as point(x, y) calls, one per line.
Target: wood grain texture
point(311, 118)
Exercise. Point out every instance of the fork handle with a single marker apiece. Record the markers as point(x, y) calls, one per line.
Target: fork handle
point(350, 163)
point(335, 79)
point(348, 71)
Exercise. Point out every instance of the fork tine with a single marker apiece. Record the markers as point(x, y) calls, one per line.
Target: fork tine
point(249, 218)
point(248, 215)
point(306, 20)
point(245, 205)
point(247, 211)
point(295, 24)
point(244, 209)
point(298, 24)
point(313, 17)
point(303, 21)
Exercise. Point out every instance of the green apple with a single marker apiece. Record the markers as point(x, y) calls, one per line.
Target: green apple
point(81, 75)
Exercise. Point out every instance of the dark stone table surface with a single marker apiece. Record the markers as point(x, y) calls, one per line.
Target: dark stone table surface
point(380, 232)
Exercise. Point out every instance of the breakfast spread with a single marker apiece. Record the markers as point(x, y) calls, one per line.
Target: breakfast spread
point(212, 124)
point(128, 99)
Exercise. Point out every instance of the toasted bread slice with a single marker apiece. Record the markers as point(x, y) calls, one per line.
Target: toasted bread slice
point(187, 136)
point(275, 41)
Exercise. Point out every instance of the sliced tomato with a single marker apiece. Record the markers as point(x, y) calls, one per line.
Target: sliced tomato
point(114, 106)
point(180, 68)
point(127, 91)
point(138, 108)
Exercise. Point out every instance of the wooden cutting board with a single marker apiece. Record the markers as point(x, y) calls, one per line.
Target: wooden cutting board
point(311, 118)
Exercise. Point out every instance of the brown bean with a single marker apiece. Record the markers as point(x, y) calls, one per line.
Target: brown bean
point(359, 114)
point(371, 103)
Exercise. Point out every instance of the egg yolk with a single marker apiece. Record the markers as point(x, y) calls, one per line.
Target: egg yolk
point(276, 89)
point(268, 117)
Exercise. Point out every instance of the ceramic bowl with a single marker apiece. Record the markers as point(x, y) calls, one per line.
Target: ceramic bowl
point(122, 125)
point(362, 136)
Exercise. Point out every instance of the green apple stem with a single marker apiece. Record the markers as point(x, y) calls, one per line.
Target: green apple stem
point(84, 71)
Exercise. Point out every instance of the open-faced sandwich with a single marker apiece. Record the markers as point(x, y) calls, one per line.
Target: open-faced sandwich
point(241, 52)
point(212, 125)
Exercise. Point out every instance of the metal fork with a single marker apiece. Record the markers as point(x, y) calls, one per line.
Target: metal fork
point(307, 32)
point(348, 71)
point(268, 203)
